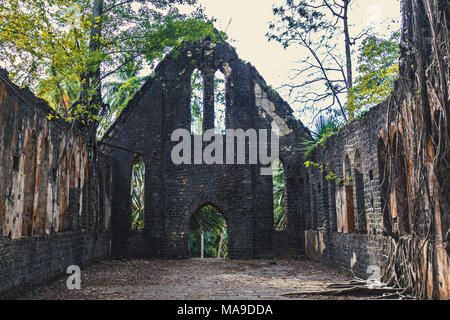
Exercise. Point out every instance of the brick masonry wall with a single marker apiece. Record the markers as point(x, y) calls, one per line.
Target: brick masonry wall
point(174, 193)
point(30, 261)
point(329, 241)
point(54, 211)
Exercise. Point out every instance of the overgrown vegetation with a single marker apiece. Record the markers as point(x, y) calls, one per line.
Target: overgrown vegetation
point(118, 93)
point(137, 195)
point(279, 207)
point(324, 81)
point(378, 69)
point(65, 50)
point(211, 223)
point(417, 262)
point(325, 128)
point(196, 103)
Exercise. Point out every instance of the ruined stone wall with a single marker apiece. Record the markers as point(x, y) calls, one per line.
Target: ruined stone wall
point(54, 211)
point(173, 193)
point(346, 228)
point(405, 196)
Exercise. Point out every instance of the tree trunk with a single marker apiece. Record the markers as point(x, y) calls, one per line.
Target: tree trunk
point(348, 53)
point(202, 245)
point(221, 243)
point(91, 79)
point(418, 131)
point(95, 43)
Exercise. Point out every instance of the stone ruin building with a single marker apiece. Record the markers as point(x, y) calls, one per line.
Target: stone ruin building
point(55, 213)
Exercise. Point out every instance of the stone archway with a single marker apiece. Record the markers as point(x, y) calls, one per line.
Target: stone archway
point(208, 232)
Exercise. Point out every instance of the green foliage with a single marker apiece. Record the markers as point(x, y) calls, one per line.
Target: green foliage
point(207, 219)
point(196, 103)
point(209, 222)
point(325, 128)
point(137, 195)
point(118, 93)
point(55, 46)
point(324, 168)
point(212, 241)
point(279, 207)
point(45, 44)
point(378, 68)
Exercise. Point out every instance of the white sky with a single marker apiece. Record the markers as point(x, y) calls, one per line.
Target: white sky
point(249, 24)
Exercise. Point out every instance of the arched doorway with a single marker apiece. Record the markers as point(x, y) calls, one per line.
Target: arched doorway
point(208, 233)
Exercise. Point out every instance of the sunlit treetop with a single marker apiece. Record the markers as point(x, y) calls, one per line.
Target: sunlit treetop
point(54, 47)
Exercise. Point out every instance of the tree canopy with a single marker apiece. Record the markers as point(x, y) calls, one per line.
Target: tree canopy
point(322, 28)
point(378, 69)
point(63, 50)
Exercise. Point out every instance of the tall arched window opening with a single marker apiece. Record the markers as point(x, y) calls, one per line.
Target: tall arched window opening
point(196, 103)
point(360, 201)
point(279, 196)
point(63, 190)
point(219, 103)
point(349, 223)
point(29, 185)
point(400, 183)
point(40, 215)
point(138, 195)
point(383, 177)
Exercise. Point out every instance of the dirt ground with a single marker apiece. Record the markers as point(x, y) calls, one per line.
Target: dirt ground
point(197, 279)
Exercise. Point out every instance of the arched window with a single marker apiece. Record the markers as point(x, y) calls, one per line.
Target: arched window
point(29, 185)
point(359, 188)
point(138, 195)
point(324, 219)
point(72, 172)
point(40, 216)
point(63, 190)
point(71, 216)
point(313, 202)
point(332, 203)
point(349, 222)
point(208, 233)
point(279, 196)
point(307, 201)
point(207, 101)
point(400, 185)
point(383, 176)
point(86, 214)
point(196, 103)
point(219, 103)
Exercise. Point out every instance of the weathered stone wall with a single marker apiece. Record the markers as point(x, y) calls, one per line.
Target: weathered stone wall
point(396, 160)
point(346, 228)
point(57, 199)
point(175, 192)
point(29, 261)
point(50, 200)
